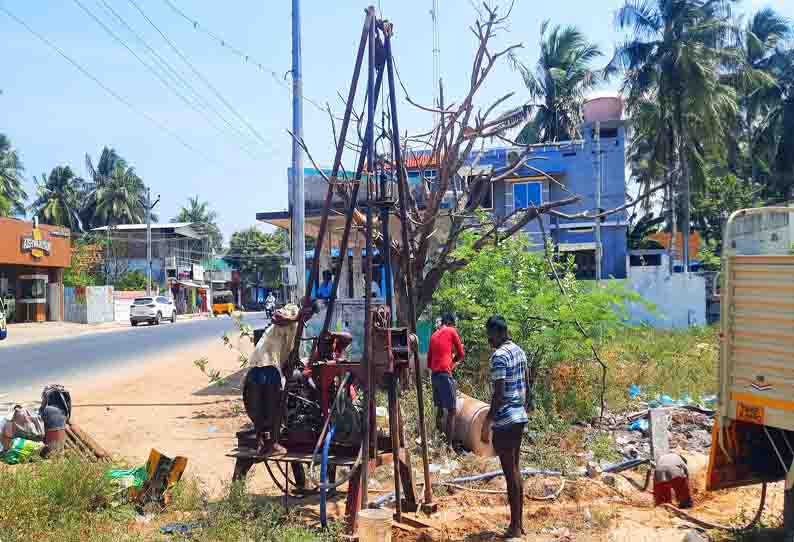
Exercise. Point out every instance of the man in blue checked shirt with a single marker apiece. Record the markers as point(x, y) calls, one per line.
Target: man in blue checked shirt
point(508, 414)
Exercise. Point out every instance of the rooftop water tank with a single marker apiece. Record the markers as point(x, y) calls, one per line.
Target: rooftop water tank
point(603, 109)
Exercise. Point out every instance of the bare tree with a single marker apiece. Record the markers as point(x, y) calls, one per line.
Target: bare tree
point(447, 206)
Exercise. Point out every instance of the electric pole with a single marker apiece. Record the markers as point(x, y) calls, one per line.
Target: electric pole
point(298, 201)
point(149, 207)
point(599, 180)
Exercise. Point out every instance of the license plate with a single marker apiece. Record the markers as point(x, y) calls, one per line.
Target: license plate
point(750, 413)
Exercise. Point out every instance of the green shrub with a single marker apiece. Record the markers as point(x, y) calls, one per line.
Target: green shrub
point(522, 285)
point(131, 281)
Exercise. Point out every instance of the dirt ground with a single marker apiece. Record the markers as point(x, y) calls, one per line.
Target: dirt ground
point(168, 406)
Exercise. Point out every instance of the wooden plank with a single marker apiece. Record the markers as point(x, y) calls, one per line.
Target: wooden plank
point(660, 438)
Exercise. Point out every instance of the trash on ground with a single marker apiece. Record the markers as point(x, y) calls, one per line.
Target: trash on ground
point(179, 528)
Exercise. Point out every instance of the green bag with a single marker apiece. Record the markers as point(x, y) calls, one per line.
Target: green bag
point(21, 451)
point(134, 477)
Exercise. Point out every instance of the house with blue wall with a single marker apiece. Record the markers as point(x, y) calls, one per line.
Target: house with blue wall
point(575, 167)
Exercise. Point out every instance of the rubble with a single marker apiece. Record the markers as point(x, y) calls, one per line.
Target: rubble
point(689, 429)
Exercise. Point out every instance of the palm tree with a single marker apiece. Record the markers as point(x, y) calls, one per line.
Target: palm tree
point(114, 194)
point(559, 83)
point(673, 60)
point(203, 219)
point(12, 195)
point(775, 134)
point(58, 202)
point(755, 79)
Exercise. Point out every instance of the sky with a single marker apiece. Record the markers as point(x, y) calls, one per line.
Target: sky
point(232, 148)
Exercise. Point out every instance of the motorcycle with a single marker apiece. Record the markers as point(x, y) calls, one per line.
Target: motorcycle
point(270, 308)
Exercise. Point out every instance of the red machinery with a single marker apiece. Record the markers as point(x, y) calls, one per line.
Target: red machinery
point(384, 367)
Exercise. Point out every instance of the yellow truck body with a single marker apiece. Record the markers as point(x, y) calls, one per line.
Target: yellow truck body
point(753, 436)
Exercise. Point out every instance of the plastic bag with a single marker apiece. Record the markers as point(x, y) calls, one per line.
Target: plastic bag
point(134, 477)
point(21, 451)
point(22, 423)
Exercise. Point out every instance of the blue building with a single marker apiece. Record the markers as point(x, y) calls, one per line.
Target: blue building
point(574, 165)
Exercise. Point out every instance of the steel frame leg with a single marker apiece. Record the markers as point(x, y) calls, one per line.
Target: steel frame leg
point(788, 507)
point(242, 466)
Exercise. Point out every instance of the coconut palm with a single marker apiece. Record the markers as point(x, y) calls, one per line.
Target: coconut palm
point(12, 195)
point(775, 134)
point(203, 219)
point(557, 86)
point(758, 47)
point(673, 59)
point(114, 194)
point(58, 201)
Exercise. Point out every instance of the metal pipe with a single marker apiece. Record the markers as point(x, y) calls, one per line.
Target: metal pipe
point(349, 216)
point(402, 188)
point(370, 391)
point(334, 172)
point(298, 198)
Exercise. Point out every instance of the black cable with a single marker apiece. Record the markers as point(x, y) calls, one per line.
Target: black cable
point(242, 54)
point(198, 73)
point(200, 101)
point(162, 126)
point(159, 76)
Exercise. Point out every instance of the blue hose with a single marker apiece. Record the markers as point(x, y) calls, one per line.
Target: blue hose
point(324, 475)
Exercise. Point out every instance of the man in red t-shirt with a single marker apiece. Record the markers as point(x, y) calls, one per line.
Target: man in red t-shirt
point(446, 351)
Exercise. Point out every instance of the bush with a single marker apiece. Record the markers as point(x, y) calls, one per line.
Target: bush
point(131, 281)
point(522, 285)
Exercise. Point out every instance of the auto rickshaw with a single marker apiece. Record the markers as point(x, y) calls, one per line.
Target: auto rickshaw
point(222, 302)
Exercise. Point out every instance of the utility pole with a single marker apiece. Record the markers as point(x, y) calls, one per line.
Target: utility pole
point(149, 207)
point(599, 180)
point(298, 201)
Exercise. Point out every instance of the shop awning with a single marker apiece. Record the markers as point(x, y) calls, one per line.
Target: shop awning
point(191, 284)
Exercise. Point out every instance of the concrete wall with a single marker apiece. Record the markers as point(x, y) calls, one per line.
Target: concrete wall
point(90, 305)
point(121, 303)
point(680, 299)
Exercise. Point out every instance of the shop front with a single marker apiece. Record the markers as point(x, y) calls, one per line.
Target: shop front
point(32, 263)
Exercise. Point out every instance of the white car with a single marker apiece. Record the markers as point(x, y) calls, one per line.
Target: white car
point(152, 310)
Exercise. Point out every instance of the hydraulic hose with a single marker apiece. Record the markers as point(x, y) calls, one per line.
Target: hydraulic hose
point(321, 440)
point(324, 475)
point(707, 525)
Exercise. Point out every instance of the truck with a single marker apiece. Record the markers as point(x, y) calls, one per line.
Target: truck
point(753, 433)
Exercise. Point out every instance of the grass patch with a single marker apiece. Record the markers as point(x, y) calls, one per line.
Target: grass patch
point(67, 500)
point(674, 363)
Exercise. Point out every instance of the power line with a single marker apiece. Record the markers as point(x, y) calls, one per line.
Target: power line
point(200, 101)
point(162, 126)
point(159, 76)
point(199, 74)
point(248, 59)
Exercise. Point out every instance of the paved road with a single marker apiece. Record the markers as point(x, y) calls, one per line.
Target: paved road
point(29, 366)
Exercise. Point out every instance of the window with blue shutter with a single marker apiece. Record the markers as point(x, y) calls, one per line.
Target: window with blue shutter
point(526, 195)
